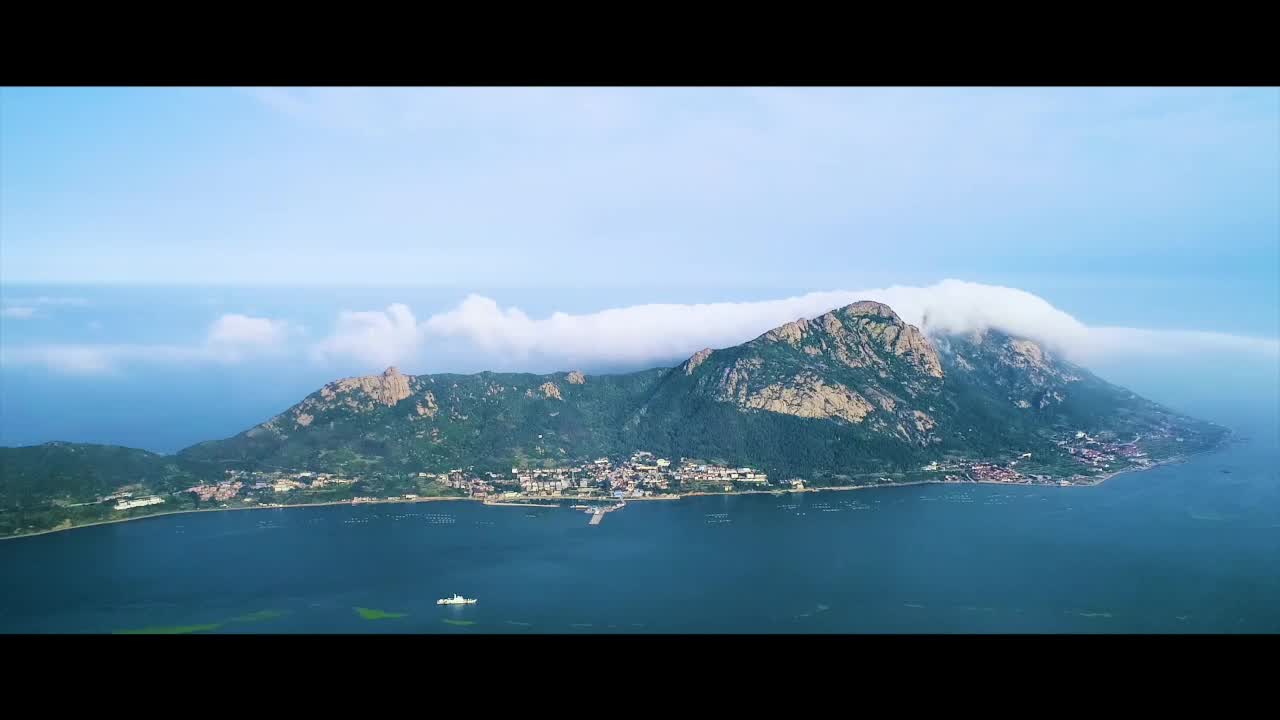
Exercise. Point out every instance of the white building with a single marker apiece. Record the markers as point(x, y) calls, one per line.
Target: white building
point(140, 502)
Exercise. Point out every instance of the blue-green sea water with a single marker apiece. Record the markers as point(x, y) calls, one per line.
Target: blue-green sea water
point(1193, 547)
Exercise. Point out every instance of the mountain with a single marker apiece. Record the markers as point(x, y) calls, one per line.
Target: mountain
point(76, 469)
point(409, 422)
point(43, 485)
point(854, 391)
point(854, 396)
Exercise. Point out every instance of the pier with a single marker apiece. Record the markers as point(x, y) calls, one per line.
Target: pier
point(597, 515)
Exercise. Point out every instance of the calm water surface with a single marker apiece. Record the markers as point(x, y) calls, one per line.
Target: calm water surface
point(1186, 548)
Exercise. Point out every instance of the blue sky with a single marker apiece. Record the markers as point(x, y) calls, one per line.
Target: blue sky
point(181, 233)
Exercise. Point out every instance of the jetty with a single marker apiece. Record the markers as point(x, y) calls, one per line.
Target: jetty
point(597, 514)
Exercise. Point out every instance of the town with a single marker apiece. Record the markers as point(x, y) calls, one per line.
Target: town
point(1097, 457)
point(643, 475)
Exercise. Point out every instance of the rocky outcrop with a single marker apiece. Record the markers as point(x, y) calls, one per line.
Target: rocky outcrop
point(549, 391)
point(862, 335)
point(884, 401)
point(697, 359)
point(733, 382)
point(1027, 355)
point(365, 393)
point(427, 407)
point(791, 333)
point(809, 397)
point(576, 378)
point(887, 332)
point(1040, 367)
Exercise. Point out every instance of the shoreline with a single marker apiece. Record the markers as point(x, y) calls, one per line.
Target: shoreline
point(387, 501)
point(557, 501)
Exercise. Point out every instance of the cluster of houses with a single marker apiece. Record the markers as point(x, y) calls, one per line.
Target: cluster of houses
point(221, 491)
point(1102, 454)
point(459, 480)
point(275, 481)
point(640, 475)
point(701, 472)
point(987, 472)
point(643, 474)
point(1095, 453)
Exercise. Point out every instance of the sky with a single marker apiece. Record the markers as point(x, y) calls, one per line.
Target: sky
point(231, 249)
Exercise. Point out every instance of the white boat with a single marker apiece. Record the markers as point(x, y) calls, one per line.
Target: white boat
point(456, 600)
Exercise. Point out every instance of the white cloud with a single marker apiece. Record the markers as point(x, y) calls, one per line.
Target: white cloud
point(18, 312)
point(643, 334)
point(640, 335)
point(378, 338)
point(230, 339)
point(234, 329)
point(1134, 341)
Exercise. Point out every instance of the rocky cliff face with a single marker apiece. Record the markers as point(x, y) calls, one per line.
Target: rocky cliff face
point(1026, 374)
point(807, 396)
point(361, 394)
point(862, 335)
point(857, 364)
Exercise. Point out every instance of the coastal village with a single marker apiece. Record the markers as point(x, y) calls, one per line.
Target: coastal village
point(643, 475)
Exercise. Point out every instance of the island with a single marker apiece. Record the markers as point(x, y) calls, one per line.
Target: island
point(852, 399)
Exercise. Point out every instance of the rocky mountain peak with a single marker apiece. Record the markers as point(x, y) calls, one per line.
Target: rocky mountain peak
point(362, 393)
point(793, 332)
point(871, 308)
point(860, 335)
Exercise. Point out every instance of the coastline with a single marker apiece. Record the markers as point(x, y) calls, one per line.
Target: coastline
point(387, 501)
point(554, 502)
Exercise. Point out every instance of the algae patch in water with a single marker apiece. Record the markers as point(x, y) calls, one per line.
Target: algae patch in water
point(170, 629)
point(371, 614)
point(259, 616)
point(188, 629)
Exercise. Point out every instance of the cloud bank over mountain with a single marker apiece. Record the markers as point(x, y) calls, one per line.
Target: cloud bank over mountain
point(489, 334)
point(648, 333)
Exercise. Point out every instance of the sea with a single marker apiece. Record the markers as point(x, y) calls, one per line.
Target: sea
point(1185, 548)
